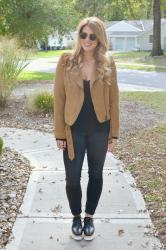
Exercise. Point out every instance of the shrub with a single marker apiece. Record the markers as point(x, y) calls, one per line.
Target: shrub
point(12, 62)
point(42, 102)
point(1, 145)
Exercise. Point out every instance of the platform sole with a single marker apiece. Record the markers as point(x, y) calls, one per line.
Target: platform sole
point(88, 237)
point(76, 237)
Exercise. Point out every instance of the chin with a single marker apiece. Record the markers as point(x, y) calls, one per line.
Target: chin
point(88, 49)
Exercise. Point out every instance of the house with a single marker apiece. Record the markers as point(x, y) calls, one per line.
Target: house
point(56, 41)
point(134, 34)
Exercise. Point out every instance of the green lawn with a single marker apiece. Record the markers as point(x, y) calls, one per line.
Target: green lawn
point(141, 67)
point(45, 54)
point(142, 57)
point(28, 76)
point(155, 100)
point(131, 54)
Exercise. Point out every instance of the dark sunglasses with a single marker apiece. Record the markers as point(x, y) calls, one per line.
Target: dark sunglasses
point(83, 35)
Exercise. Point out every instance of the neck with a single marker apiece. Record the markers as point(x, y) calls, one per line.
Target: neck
point(88, 56)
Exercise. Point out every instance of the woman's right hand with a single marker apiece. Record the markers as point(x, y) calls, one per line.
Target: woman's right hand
point(61, 144)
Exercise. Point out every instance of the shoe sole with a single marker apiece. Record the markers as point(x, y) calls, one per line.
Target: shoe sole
point(76, 237)
point(88, 237)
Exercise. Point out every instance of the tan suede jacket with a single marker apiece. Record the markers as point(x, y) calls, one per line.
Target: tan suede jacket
point(69, 97)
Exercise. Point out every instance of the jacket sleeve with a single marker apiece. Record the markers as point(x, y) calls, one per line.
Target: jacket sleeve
point(59, 101)
point(114, 104)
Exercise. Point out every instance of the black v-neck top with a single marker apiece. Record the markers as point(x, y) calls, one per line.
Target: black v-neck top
point(87, 122)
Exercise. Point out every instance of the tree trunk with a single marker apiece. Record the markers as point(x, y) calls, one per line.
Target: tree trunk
point(156, 48)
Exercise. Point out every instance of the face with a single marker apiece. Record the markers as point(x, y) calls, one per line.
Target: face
point(87, 44)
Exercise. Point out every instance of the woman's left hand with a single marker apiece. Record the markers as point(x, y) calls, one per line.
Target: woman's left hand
point(112, 145)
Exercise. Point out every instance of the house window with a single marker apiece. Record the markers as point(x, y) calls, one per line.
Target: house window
point(151, 39)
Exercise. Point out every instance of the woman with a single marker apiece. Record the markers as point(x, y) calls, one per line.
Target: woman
point(86, 118)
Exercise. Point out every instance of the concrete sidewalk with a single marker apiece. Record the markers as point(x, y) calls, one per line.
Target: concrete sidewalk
point(121, 220)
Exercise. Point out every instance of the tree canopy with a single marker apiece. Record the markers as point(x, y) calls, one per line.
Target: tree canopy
point(34, 20)
point(119, 9)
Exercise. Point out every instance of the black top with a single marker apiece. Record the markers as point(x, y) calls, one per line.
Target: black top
point(86, 121)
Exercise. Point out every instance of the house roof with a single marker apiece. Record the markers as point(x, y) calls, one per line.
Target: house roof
point(133, 25)
point(123, 26)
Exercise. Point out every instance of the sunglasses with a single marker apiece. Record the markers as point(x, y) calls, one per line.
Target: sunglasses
point(83, 35)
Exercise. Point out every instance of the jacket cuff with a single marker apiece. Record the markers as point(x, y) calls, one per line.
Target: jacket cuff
point(61, 139)
point(110, 139)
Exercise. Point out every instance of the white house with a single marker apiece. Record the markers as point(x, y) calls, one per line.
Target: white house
point(55, 41)
point(134, 35)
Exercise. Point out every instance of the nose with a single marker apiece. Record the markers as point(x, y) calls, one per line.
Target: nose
point(87, 38)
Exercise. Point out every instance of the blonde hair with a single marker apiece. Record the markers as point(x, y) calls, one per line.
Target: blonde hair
point(102, 60)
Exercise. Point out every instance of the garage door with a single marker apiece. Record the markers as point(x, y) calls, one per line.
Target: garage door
point(130, 43)
point(119, 44)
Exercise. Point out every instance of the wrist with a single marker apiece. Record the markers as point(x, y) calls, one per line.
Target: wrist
point(114, 140)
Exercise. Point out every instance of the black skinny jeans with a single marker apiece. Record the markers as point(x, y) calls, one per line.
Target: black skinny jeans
point(95, 145)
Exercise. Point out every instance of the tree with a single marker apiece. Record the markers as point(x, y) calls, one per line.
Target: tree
point(163, 8)
point(34, 20)
point(156, 48)
point(115, 9)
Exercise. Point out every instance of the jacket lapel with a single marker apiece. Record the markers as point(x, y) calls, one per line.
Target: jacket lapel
point(94, 77)
point(76, 77)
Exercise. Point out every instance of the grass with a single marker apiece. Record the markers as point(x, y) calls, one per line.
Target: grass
point(155, 100)
point(140, 57)
point(131, 167)
point(141, 67)
point(28, 76)
point(46, 54)
point(131, 54)
point(152, 197)
point(154, 183)
point(1, 145)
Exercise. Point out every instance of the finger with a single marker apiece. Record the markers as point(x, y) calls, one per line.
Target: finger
point(59, 145)
point(111, 146)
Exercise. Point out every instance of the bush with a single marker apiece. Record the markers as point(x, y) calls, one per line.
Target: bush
point(1, 145)
point(12, 62)
point(42, 102)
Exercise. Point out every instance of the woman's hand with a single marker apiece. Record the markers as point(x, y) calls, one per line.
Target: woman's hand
point(61, 144)
point(112, 145)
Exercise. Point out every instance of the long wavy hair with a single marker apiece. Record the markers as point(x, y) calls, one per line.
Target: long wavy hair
point(100, 52)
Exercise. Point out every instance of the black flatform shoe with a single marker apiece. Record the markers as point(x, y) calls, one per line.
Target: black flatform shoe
point(89, 229)
point(77, 229)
